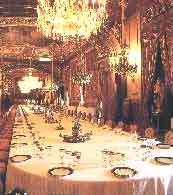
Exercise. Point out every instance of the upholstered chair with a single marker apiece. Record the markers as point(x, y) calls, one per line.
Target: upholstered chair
point(120, 124)
point(133, 128)
point(84, 115)
point(79, 114)
point(169, 138)
point(149, 133)
point(109, 124)
point(89, 116)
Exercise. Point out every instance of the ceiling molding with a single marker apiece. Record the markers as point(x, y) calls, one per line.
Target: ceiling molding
point(18, 21)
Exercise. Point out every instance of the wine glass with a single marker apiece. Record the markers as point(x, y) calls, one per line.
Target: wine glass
point(61, 154)
point(105, 157)
point(118, 159)
point(76, 157)
point(68, 158)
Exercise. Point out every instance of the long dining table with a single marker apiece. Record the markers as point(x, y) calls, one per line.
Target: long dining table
point(92, 174)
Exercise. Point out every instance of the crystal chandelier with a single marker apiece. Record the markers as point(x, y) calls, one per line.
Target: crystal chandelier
point(70, 18)
point(29, 83)
point(119, 61)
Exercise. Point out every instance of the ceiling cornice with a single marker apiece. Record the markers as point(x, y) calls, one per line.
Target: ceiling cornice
point(17, 21)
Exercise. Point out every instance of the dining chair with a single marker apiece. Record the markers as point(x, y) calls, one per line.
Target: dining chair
point(169, 138)
point(149, 133)
point(133, 128)
point(84, 115)
point(109, 124)
point(120, 124)
point(94, 119)
point(68, 112)
point(89, 116)
point(79, 114)
point(101, 122)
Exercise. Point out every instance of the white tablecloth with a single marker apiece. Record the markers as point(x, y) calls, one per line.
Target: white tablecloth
point(90, 177)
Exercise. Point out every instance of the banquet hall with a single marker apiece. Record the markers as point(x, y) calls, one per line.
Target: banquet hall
point(86, 97)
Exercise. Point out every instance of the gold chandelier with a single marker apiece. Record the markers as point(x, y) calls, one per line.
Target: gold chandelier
point(119, 58)
point(70, 18)
point(119, 62)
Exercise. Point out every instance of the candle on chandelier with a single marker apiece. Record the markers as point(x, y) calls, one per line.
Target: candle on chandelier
point(82, 97)
point(93, 1)
point(62, 102)
point(101, 105)
point(99, 4)
point(171, 123)
point(68, 101)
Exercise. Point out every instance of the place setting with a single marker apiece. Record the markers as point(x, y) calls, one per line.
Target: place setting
point(141, 138)
point(18, 144)
point(16, 136)
point(116, 164)
point(20, 158)
point(123, 172)
point(67, 163)
point(163, 146)
point(60, 171)
point(163, 160)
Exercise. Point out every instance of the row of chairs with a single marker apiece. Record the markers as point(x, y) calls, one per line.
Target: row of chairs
point(168, 137)
point(82, 115)
point(132, 128)
point(90, 118)
point(6, 132)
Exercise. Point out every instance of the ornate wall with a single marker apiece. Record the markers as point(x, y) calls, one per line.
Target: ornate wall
point(101, 89)
point(156, 25)
point(142, 31)
point(103, 85)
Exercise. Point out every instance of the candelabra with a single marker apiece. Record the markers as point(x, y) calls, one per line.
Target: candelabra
point(61, 113)
point(82, 78)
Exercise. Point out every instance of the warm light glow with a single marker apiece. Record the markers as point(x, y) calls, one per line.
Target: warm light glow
point(120, 64)
point(81, 97)
point(133, 56)
point(45, 59)
point(29, 83)
point(101, 105)
point(70, 18)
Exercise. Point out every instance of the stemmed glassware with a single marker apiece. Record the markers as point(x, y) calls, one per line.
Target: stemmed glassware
point(61, 155)
point(76, 157)
point(118, 159)
point(105, 157)
point(68, 159)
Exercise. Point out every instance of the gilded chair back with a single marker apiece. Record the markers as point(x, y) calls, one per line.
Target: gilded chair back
point(169, 138)
point(149, 133)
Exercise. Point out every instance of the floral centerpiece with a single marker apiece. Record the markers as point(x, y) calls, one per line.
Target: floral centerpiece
point(82, 78)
